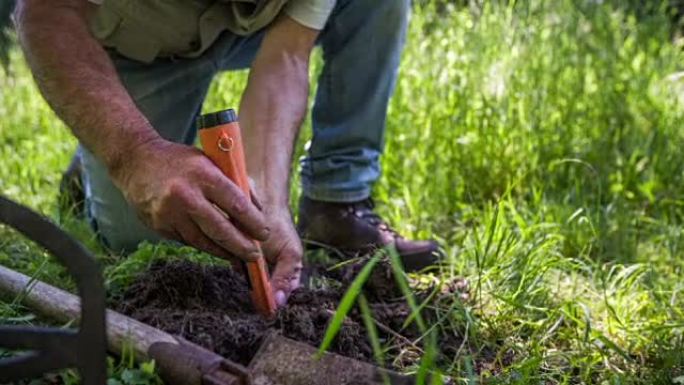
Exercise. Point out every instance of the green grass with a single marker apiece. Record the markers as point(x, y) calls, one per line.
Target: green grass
point(541, 143)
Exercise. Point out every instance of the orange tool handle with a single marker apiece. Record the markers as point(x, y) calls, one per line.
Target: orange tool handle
point(223, 145)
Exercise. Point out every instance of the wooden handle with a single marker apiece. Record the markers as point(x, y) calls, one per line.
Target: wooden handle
point(223, 145)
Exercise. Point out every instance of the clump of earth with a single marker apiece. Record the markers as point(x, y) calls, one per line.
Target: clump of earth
point(210, 305)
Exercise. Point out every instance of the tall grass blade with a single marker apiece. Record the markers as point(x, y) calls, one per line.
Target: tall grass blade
point(346, 304)
point(372, 331)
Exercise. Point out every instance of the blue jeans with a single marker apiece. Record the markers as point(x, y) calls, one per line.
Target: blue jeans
point(361, 44)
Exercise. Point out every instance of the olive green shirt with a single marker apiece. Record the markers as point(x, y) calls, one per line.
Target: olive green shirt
point(146, 29)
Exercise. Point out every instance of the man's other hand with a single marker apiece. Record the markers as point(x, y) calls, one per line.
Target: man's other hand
point(283, 251)
point(180, 193)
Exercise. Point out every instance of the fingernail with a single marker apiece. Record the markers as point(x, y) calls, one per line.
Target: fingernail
point(265, 233)
point(254, 255)
point(280, 298)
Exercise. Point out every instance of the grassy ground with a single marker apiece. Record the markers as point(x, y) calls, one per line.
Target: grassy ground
point(541, 144)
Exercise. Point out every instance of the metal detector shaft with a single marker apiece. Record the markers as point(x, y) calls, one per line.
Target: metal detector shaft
point(179, 361)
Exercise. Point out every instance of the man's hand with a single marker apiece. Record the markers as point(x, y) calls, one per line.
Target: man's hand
point(283, 251)
point(181, 194)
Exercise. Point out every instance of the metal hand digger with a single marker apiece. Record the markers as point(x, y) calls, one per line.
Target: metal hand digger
point(279, 360)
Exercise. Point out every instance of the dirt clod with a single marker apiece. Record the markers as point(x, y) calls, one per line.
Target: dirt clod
point(210, 306)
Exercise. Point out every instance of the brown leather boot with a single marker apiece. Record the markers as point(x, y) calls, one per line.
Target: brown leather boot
point(354, 229)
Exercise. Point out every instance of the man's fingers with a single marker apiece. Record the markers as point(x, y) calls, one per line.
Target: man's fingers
point(191, 234)
point(244, 214)
point(285, 277)
point(218, 228)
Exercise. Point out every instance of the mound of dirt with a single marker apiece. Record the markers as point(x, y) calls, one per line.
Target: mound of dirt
point(210, 305)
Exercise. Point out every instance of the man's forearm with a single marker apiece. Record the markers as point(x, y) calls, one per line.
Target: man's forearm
point(273, 108)
point(78, 79)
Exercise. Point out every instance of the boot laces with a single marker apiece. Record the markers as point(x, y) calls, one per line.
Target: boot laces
point(365, 211)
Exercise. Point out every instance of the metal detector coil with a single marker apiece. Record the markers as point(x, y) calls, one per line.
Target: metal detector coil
point(50, 349)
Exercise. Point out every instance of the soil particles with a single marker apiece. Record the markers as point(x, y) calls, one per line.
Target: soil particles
point(210, 306)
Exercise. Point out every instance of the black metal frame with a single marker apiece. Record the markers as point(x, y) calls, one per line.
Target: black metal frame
point(55, 348)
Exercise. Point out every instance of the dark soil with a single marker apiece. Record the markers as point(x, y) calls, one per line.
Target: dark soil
point(210, 305)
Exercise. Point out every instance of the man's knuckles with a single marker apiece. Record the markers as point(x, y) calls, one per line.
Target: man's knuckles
point(239, 206)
